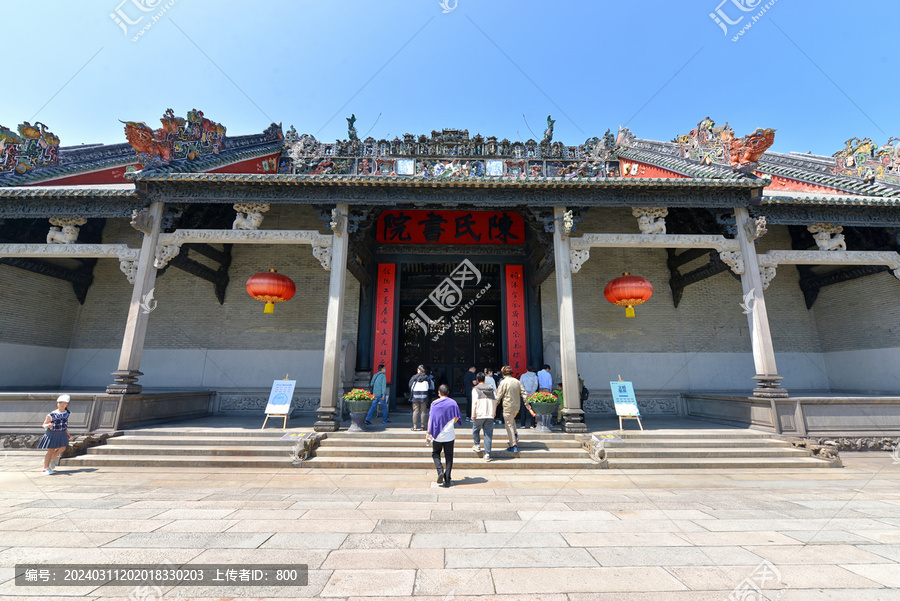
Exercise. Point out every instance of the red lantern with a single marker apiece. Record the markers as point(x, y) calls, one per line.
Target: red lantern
point(270, 288)
point(628, 291)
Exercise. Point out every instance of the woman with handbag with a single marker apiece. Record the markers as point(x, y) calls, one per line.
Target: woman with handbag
point(56, 438)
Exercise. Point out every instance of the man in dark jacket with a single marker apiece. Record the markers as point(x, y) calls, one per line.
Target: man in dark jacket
point(469, 382)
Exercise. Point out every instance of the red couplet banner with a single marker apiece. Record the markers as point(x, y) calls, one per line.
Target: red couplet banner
point(450, 227)
point(516, 345)
point(385, 299)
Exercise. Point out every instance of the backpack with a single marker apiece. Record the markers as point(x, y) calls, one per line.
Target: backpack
point(585, 393)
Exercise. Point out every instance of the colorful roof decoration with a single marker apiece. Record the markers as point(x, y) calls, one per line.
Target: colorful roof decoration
point(707, 144)
point(178, 138)
point(34, 146)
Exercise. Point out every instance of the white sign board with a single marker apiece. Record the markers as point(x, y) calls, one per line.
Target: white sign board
point(280, 397)
point(623, 398)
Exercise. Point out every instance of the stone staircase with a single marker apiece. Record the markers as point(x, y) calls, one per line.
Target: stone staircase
point(399, 448)
point(705, 449)
point(406, 449)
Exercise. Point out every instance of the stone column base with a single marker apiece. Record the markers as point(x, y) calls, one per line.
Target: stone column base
point(327, 421)
point(125, 382)
point(769, 387)
point(574, 421)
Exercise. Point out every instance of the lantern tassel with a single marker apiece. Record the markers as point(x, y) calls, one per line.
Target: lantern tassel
point(629, 312)
point(270, 308)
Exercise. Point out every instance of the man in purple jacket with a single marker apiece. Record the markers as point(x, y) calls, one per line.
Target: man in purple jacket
point(444, 415)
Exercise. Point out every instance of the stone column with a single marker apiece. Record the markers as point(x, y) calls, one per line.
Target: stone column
point(334, 324)
point(572, 413)
point(136, 327)
point(767, 378)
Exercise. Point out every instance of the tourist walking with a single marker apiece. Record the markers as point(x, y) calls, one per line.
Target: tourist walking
point(441, 434)
point(545, 380)
point(484, 405)
point(379, 389)
point(468, 384)
point(510, 393)
point(56, 437)
point(418, 397)
point(529, 382)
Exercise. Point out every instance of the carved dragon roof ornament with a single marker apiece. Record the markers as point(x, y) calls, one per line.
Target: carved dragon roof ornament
point(177, 139)
point(708, 143)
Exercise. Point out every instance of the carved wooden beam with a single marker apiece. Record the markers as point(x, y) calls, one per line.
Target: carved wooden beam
point(544, 270)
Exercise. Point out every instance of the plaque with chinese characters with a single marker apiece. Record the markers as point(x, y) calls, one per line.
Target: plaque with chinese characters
point(450, 227)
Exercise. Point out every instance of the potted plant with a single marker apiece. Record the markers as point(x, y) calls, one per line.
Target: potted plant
point(544, 406)
point(358, 402)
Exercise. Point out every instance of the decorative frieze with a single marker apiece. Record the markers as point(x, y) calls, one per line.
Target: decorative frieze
point(71, 251)
point(164, 254)
point(257, 403)
point(323, 254)
point(720, 243)
point(129, 268)
point(651, 220)
point(773, 258)
point(648, 406)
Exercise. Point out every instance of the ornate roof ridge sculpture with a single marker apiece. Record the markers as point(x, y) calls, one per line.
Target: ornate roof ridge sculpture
point(178, 138)
point(708, 143)
point(32, 147)
point(451, 153)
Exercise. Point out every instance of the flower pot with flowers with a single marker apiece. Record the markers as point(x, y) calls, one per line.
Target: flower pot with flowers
point(544, 405)
point(358, 402)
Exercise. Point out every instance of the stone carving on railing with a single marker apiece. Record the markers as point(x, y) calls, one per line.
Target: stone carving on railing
point(651, 220)
point(829, 450)
point(828, 236)
point(249, 215)
point(597, 449)
point(305, 447)
point(64, 230)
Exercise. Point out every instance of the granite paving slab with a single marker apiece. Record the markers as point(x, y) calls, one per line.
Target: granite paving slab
point(191, 540)
point(483, 540)
point(428, 526)
point(519, 557)
point(817, 554)
point(374, 559)
point(887, 575)
point(301, 525)
point(673, 556)
point(450, 584)
point(377, 540)
point(364, 582)
point(583, 580)
point(309, 540)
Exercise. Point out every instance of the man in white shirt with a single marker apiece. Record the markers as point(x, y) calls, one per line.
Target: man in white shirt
point(484, 405)
point(545, 380)
point(529, 382)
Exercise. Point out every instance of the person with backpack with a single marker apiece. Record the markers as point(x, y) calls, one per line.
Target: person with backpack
point(484, 405)
point(379, 389)
point(511, 394)
point(418, 397)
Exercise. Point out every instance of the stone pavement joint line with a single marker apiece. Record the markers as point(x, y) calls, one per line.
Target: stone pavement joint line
point(502, 535)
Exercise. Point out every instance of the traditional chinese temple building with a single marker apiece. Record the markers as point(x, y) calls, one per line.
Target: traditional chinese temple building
point(774, 276)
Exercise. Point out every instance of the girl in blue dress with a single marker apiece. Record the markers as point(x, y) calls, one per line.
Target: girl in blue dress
point(56, 439)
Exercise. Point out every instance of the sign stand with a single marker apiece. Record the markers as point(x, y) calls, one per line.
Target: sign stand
point(625, 402)
point(280, 401)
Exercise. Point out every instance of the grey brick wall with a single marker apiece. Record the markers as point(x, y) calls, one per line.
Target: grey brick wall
point(35, 309)
point(860, 314)
point(708, 319)
point(188, 316)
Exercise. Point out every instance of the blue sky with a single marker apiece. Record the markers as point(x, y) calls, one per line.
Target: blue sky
point(820, 72)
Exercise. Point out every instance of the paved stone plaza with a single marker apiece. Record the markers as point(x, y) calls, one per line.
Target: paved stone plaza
point(691, 535)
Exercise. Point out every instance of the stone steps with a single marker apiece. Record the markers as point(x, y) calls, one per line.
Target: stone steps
point(400, 448)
